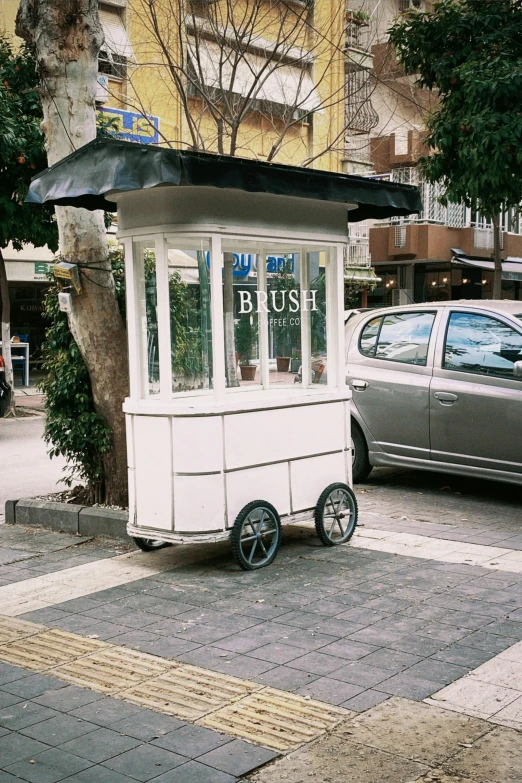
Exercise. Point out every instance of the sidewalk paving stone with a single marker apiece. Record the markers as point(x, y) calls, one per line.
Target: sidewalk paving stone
point(192, 741)
point(145, 762)
point(237, 757)
point(32, 686)
point(105, 711)
point(60, 729)
point(9, 673)
point(330, 691)
point(68, 698)
point(409, 687)
point(50, 766)
point(286, 678)
point(99, 745)
point(194, 772)
point(149, 726)
point(23, 714)
point(15, 747)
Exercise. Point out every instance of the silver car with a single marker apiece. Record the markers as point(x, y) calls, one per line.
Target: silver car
point(437, 387)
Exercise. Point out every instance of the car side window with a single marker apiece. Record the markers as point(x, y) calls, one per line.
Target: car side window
point(398, 337)
point(368, 340)
point(481, 344)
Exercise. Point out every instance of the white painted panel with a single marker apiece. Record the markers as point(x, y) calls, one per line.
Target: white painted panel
point(260, 437)
point(310, 476)
point(199, 503)
point(269, 482)
point(152, 451)
point(198, 444)
point(132, 496)
point(130, 441)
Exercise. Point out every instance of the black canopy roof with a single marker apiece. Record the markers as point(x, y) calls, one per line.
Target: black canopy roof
point(105, 166)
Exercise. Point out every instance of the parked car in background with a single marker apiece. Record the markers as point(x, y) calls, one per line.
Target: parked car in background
point(437, 387)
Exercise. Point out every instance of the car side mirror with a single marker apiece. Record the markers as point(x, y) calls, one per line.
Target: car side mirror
point(517, 369)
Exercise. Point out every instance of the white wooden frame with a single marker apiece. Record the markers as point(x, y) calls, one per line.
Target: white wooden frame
point(138, 367)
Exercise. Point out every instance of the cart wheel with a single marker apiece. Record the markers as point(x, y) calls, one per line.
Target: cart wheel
point(150, 544)
point(336, 514)
point(256, 535)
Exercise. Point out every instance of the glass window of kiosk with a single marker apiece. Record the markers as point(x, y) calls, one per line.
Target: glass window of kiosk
point(274, 314)
point(275, 325)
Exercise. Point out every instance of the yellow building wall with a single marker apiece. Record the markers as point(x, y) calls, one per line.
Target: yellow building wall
point(151, 90)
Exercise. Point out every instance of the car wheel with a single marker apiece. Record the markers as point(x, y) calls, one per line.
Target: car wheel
point(150, 544)
point(361, 467)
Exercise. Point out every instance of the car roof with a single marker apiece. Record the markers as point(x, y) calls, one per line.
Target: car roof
point(502, 306)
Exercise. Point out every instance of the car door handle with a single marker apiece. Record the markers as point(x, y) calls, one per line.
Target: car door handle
point(360, 385)
point(446, 398)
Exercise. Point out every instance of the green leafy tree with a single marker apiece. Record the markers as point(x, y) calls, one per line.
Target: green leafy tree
point(470, 52)
point(22, 154)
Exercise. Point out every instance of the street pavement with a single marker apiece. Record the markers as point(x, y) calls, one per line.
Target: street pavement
point(331, 664)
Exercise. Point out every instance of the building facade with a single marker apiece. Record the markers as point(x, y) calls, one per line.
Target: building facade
point(263, 80)
point(445, 252)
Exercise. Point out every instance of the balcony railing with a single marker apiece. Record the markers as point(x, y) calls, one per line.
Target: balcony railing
point(483, 238)
point(359, 255)
point(400, 235)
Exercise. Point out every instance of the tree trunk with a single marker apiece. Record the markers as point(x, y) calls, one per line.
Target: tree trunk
point(6, 337)
point(497, 273)
point(67, 35)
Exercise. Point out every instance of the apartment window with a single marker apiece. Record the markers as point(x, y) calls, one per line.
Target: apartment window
point(218, 70)
point(406, 5)
point(360, 116)
point(116, 51)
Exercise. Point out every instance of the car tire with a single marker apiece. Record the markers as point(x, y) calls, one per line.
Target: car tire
point(361, 467)
point(150, 544)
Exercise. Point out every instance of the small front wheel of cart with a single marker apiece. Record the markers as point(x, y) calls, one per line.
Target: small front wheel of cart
point(336, 514)
point(150, 544)
point(256, 535)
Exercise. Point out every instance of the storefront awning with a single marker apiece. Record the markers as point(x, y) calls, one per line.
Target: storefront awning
point(252, 76)
point(89, 176)
point(511, 266)
point(360, 274)
point(116, 39)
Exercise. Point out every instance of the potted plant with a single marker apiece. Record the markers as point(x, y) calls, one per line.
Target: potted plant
point(246, 337)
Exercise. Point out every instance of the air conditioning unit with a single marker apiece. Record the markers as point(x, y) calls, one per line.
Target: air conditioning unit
point(401, 297)
point(102, 89)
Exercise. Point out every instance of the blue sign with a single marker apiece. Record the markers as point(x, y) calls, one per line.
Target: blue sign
point(132, 126)
point(245, 262)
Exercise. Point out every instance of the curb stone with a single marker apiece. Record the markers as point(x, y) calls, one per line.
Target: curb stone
point(68, 518)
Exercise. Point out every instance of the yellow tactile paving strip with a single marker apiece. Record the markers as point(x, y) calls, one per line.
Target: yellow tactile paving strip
point(265, 716)
point(112, 669)
point(275, 719)
point(189, 692)
point(47, 649)
point(12, 629)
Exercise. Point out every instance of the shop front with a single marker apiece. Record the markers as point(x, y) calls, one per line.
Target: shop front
point(438, 281)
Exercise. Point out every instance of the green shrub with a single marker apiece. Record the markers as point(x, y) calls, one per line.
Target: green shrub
point(73, 429)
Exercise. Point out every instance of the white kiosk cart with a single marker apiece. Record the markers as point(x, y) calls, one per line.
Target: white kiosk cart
point(238, 415)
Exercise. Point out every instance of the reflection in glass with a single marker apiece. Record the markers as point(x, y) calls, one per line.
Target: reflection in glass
point(147, 282)
point(404, 337)
point(480, 344)
point(368, 340)
point(190, 320)
point(284, 316)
